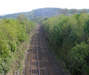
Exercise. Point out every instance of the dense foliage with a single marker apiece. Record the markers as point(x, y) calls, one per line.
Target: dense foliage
point(12, 33)
point(68, 36)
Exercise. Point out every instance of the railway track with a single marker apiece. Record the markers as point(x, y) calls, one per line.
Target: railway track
point(39, 61)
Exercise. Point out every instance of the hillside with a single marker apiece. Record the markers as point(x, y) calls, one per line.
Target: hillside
point(45, 12)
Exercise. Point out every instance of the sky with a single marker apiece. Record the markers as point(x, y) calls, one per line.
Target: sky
point(15, 6)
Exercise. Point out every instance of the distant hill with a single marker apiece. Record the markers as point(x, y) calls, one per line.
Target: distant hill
point(45, 13)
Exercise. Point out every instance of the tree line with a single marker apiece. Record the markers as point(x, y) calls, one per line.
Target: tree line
point(13, 32)
point(68, 37)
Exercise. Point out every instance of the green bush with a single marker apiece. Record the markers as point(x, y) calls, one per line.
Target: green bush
point(78, 58)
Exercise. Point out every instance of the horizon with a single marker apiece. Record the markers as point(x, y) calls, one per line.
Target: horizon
point(17, 6)
point(37, 9)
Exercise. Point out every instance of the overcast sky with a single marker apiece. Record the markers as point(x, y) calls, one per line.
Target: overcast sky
point(13, 6)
